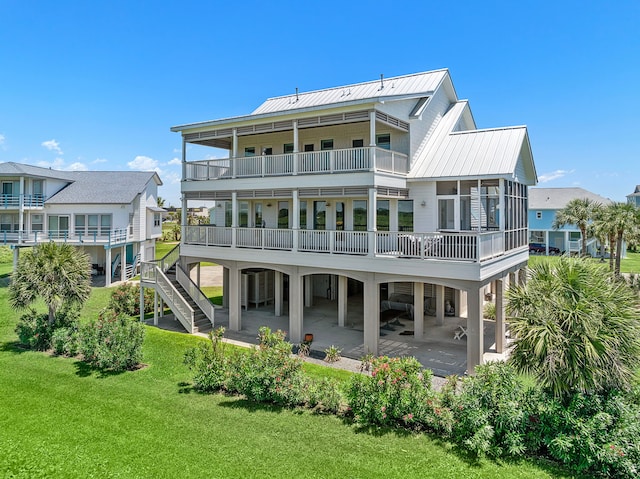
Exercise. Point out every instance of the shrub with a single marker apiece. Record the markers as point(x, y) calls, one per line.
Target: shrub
point(125, 299)
point(34, 331)
point(325, 395)
point(65, 341)
point(489, 311)
point(112, 342)
point(209, 363)
point(332, 354)
point(398, 393)
point(490, 415)
point(269, 373)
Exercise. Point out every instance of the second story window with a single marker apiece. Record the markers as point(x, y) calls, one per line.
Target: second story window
point(384, 141)
point(359, 143)
point(405, 215)
point(250, 151)
point(538, 215)
point(157, 220)
point(359, 215)
point(382, 215)
point(326, 144)
point(287, 148)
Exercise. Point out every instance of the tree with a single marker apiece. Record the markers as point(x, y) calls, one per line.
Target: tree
point(160, 201)
point(576, 327)
point(602, 228)
point(579, 212)
point(59, 274)
point(624, 219)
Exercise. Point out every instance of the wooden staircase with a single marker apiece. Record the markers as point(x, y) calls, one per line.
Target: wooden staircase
point(201, 322)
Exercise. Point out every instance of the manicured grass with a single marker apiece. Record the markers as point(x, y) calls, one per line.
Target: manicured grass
point(60, 419)
point(163, 248)
point(630, 264)
point(214, 293)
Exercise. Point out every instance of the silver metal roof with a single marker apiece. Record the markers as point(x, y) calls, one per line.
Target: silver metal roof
point(557, 198)
point(473, 153)
point(415, 84)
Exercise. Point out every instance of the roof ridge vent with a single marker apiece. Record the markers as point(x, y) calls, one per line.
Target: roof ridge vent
point(381, 81)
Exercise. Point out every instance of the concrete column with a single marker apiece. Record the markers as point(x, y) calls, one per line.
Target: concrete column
point(522, 277)
point(155, 307)
point(161, 301)
point(235, 311)
point(500, 316)
point(460, 305)
point(512, 278)
point(296, 311)
point(142, 303)
point(418, 309)
point(439, 304)
point(277, 291)
point(342, 300)
point(475, 337)
point(107, 268)
point(16, 258)
point(123, 264)
point(308, 291)
point(225, 287)
point(198, 274)
point(371, 315)
point(546, 242)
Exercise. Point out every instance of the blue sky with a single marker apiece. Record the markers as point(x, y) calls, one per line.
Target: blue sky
point(96, 85)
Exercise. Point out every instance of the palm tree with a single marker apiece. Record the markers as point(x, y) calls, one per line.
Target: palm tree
point(59, 274)
point(625, 220)
point(579, 212)
point(576, 327)
point(160, 201)
point(602, 228)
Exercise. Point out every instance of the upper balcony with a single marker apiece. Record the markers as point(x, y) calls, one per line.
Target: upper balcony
point(24, 201)
point(119, 236)
point(346, 160)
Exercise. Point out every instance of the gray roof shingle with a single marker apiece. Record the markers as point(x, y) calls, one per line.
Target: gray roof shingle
point(106, 187)
point(557, 198)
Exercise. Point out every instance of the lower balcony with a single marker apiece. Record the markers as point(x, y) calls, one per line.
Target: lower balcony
point(27, 238)
point(464, 246)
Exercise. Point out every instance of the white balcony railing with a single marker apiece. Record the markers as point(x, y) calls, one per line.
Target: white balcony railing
point(113, 237)
point(464, 246)
point(27, 201)
point(303, 163)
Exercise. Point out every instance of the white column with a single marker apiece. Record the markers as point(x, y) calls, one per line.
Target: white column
point(566, 241)
point(225, 287)
point(234, 217)
point(296, 311)
point(161, 301)
point(500, 316)
point(342, 300)
point(234, 143)
point(235, 312)
point(21, 198)
point(546, 241)
point(156, 306)
point(107, 268)
point(123, 264)
point(371, 315)
point(475, 337)
point(16, 257)
point(439, 304)
point(460, 306)
point(308, 291)
point(371, 221)
point(142, 303)
point(277, 291)
point(296, 147)
point(198, 274)
point(184, 159)
point(295, 218)
point(418, 309)
point(372, 128)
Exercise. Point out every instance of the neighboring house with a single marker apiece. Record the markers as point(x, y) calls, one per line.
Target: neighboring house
point(634, 198)
point(112, 215)
point(544, 203)
point(377, 190)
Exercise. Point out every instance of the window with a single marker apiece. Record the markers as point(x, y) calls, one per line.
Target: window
point(303, 215)
point(446, 214)
point(405, 215)
point(359, 143)
point(287, 148)
point(250, 151)
point(157, 220)
point(384, 141)
point(308, 147)
point(536, 237)
point(319, 215)
point(340, 216)
point(7, 188)
point(574, 236)
point(243, 214)
point(92, 225)
point(359, 215)
point(267, 151)
point(58, 226)
point(37, 222)
point(38, 188)
point(7, 223)
point(382, 215)
point(228, 214)
point(257, 215)
point(326, 144)
point(283, 214)
point(538, 215)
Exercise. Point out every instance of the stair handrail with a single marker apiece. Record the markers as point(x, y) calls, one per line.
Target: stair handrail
point(169, 259)
point(196, 293)
point(150, 272)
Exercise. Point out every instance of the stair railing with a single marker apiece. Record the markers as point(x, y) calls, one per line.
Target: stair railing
point(195, 293)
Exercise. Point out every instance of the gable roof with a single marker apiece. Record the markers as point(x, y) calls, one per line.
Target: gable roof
point(492, 152)
point(104, 187)
point(19, 169)
point(406, 85)
point(557, 198)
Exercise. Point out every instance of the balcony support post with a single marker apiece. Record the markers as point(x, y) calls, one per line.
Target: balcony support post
point(234, 218)
point(296, 147)
point(500, 315)
point(225, 288)
point(234, 152)
point(439, 305)
point(107, 273)
point(184, 158)
point(342, 300)
point(475, 339)
point(418, 309)
point(371, 315)
point(295, 219)
point(296, 310)
point(278, 294)
point(235, 310)
point(371, 222)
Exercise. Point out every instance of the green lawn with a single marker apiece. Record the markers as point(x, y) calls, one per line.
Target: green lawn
point(60, 419)
point(630, 264)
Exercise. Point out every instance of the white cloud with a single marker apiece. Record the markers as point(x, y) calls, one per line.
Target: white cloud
point(77, 166)
point(52, 145)
point(57, 164)
point(144, 163)
point(170, 178)
point(100, 160)
point(554, 175)
point(175, 161)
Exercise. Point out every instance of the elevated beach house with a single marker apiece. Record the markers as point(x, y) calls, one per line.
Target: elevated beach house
point(112, 215)
point(373, 196)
